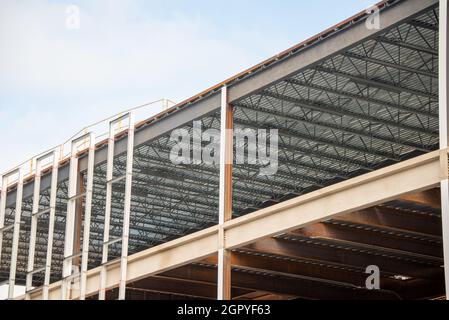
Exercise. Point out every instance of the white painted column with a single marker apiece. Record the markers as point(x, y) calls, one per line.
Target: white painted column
point(16, 235)
point(110, 181)
point(5, 179)
point(69, 255)
point(3, 194)
point(87, 217)
point(35, 215)
point(51, 223)
point(444, 130)
point(107, 213)
point(127, 210)
point(225, 196)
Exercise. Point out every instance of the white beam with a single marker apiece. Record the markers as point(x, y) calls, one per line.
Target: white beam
point(16, 235)
point(51, 223)
point(87, 217)
point(110, 180)
point(107, 213)
point(35, 214)
point(444, 130)
point(67, 271)
point(5, 180)
point(126, 210)
point(225, 195)
point(4, 194)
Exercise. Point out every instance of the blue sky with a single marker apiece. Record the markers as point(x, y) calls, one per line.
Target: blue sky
point(54, 81)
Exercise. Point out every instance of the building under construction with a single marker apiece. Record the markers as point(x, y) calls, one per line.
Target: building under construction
point(362, 182)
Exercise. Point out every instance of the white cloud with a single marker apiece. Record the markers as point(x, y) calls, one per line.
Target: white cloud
point(109, 51)
point(116, 60)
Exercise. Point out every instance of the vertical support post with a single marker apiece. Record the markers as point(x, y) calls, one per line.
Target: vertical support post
point(34, 217)
point(5, 179)
point(78, 219)
point(110, 180)
point(107, 213)
point(3, 194)
point(87, 217)
point(16, 234)
point(73, 197)
point(225, 197)
point(444, 130)
point(51, 223)
point(70, 220)
point(127, 209)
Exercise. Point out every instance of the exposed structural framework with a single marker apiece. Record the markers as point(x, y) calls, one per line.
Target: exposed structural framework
point(362, 180)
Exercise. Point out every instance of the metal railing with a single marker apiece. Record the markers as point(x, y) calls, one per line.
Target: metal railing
point(99, 128)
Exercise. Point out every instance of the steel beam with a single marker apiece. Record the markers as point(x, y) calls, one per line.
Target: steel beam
point(35, 215)
point(127, 210)
point(406, 45)
point(353, 55)
point(338, 111)
point(392, 243)
point(51, 224)
point(87, 218)
point(394, 221)
point(394, 16)
point(258, 279)
point(70, 275)
point(384, 85)
point(15, 226)
point(110, 181)
point(298, 118)
point(444, 129)
point(225, 195)
point(353, 96)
